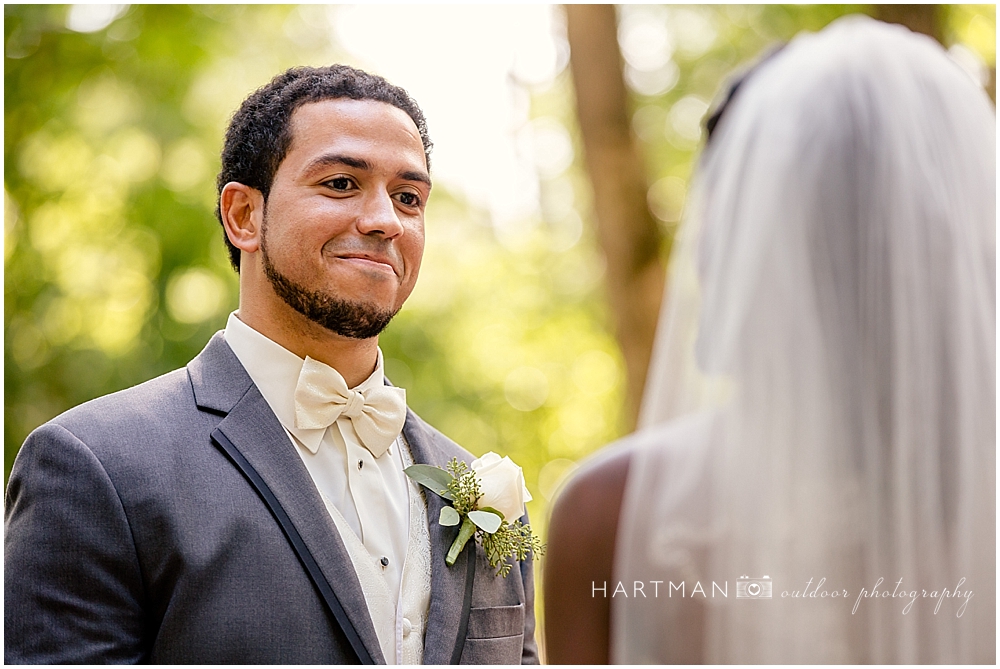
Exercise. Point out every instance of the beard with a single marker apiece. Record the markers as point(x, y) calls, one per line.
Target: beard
point(356, 320)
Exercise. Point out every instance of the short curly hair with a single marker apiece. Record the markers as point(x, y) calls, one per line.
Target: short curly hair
point(259, 133)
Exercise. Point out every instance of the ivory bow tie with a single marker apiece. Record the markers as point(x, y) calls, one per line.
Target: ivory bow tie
point(322, 397)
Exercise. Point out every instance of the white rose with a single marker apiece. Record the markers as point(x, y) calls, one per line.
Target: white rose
point(501, 483)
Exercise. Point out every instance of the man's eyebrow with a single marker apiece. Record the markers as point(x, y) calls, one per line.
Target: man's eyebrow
point(335, 159)
point(412, 175)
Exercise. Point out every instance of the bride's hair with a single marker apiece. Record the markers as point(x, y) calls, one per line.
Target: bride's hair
point(821, 401)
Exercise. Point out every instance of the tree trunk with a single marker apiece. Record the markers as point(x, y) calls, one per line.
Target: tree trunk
point(926, 19)
point(627, 232)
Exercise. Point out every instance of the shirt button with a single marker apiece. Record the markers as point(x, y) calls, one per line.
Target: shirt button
point(406, 627)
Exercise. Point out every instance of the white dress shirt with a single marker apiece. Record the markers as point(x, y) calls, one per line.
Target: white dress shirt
point(371, 494)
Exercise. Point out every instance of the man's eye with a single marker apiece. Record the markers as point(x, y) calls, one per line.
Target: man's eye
point(408, 199)
point(339, 183)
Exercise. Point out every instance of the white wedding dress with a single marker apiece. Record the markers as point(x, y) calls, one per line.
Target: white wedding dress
point(821, 402)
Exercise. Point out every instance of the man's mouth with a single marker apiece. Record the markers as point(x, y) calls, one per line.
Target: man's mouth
point(370, 261)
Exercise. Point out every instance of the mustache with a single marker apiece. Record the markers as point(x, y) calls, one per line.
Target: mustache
point(381, 249)
point(377, 247)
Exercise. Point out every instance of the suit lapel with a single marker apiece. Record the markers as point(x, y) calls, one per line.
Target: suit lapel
point(447, 619)
point(221, 384)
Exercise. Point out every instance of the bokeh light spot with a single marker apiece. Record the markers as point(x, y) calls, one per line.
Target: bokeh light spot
point(553, 474)
point(666, 198)
point(526, 388)
point(684, 120)
point(91, 18)
point(185, 165)
point(194, 295)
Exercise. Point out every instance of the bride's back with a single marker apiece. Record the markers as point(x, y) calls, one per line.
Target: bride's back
point(830, 326)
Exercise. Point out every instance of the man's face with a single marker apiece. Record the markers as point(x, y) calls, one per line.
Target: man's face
point(344, 222)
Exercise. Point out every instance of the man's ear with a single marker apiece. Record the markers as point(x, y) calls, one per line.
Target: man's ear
point(242, 209)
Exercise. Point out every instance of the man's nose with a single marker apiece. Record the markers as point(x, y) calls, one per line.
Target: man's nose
point(379, 216)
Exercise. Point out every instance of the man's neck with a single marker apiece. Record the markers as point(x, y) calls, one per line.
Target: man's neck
point(355, 359)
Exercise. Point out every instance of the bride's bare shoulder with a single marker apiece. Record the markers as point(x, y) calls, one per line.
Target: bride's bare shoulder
point(581, 545)
point(595, 488)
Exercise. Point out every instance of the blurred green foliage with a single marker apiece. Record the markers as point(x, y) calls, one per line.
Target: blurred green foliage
point(115, 269)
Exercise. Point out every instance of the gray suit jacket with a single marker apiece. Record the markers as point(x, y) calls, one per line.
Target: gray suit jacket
point(131, 536)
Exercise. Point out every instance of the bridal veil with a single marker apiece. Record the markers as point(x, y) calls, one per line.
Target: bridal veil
point(821, 403)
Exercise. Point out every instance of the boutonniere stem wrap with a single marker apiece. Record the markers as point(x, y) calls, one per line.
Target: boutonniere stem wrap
point(487, 502)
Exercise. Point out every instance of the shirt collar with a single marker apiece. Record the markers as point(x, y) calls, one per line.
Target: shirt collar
point(275, 371)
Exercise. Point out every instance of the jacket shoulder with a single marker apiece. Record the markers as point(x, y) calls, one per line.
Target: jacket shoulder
point(148, 404)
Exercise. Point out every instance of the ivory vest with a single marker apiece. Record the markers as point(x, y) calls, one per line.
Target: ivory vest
point(400, 630)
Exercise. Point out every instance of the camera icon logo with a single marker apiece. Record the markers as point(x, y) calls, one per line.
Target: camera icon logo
point(753, 588)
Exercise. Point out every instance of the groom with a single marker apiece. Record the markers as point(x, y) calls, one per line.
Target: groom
point(252, 507)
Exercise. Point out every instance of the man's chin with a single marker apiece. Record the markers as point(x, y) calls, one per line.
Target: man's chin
point(353, 320)
point(340, 312)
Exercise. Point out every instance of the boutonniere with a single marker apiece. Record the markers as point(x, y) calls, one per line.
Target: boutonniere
point(487, 501)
